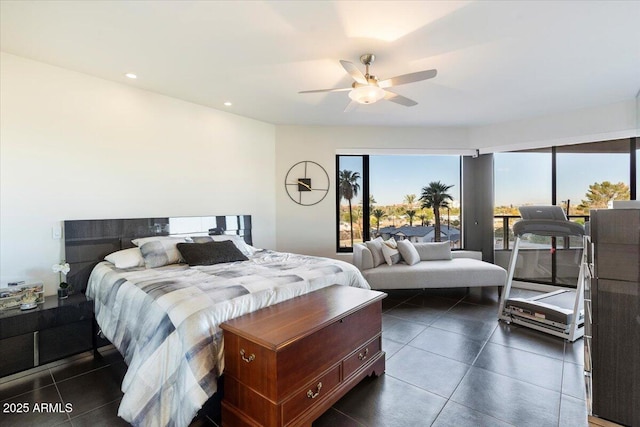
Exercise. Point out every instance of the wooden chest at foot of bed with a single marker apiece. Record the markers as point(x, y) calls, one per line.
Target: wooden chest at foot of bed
point(287, 364)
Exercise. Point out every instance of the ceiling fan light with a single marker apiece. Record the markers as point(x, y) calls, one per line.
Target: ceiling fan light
point(366, 94)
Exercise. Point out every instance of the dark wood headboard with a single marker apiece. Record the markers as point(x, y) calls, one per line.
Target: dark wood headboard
point(87, 242)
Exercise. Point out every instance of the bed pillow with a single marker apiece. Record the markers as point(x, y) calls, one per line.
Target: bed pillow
point(210, 253)
point(408, 252)
point(126, 258)
point(246, 249)
point(199, 239)
point(390, 252)
point(433, 251)
point(157, 253)
point(142, 240)
point(375, 247)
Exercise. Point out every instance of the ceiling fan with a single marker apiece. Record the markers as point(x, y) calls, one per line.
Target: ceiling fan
point(367, 89)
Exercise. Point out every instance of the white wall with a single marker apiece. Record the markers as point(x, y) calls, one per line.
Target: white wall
point(312, 229)
point(638, 114)
point(573, 127)
point(78, 147)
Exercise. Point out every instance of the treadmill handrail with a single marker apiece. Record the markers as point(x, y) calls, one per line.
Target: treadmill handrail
point(548, 227)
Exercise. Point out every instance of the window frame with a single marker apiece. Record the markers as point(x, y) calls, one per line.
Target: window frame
point(365, 197)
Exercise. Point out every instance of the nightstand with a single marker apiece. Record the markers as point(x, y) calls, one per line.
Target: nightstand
point(54, 330)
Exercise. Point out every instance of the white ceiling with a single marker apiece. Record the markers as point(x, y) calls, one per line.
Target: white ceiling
point(497, 60)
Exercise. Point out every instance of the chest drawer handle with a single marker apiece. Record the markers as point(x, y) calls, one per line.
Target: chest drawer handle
point(311, 394)
point(363, 355)
point(245, 358)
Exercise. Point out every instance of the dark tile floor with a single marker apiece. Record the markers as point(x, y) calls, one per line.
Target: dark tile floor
point(449, 363)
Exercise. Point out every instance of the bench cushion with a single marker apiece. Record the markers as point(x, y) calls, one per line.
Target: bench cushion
point(457, 272)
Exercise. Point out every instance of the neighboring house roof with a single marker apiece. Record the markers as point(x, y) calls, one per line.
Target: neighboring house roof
point(452, 233)
point(417, 231)
point(420, 231)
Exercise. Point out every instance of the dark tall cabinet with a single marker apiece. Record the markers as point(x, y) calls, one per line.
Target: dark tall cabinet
point(613, 352)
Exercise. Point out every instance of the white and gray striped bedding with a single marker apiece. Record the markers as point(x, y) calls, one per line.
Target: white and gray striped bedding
point(165, 322)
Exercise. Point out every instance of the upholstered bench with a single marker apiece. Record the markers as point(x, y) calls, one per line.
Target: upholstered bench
point(436, 267)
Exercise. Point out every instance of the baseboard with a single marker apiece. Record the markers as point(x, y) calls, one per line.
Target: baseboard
point(599, 422)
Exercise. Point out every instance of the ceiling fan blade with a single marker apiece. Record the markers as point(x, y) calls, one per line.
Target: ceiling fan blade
point(408, 78)
point(353, 71)
point(351, 106)
point(399, 99)
point(326, 90)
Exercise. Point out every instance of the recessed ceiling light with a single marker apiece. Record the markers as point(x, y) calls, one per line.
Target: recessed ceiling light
point(131, 76)
point(228, 104)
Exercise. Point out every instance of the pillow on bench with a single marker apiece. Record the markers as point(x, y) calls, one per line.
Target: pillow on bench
point(412, 253)
point(408, 252)
point(375, 246)
point(433, 251)
point(390, 251)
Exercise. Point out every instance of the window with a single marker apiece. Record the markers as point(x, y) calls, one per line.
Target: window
point(592, 175)
point(392, 185)
point(350, 191)
point(522, 178)
point(577, 177)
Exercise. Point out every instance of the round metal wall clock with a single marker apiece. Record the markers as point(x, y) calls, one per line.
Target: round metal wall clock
point(307, 183)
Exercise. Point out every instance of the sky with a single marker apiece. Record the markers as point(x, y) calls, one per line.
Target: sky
point(520, 178)
point(525, 178)
point(393, 177)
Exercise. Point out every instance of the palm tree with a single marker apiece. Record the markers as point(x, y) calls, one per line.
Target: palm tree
point(349, 187)
point(410, 213)
point(357, 214)
point(372, 202)
point(378, 214)
point(394, 212)
point(410, 200)
point(435, 196)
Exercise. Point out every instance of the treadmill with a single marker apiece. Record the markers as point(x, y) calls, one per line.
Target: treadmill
point(559, 313)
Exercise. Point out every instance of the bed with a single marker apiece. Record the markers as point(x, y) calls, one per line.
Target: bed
point(164, 316)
